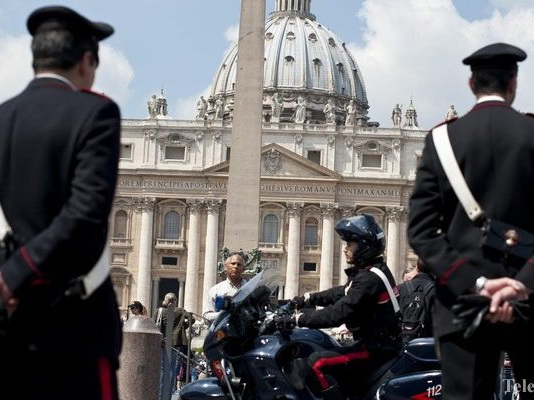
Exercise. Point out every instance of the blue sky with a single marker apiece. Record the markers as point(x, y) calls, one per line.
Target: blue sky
point(405, 49)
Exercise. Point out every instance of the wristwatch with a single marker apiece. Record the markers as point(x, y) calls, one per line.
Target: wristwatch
point(480, 283)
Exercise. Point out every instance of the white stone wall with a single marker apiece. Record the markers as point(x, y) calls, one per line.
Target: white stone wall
point(341, 179)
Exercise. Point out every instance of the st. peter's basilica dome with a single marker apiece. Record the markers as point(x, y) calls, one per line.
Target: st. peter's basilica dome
point(306, 64)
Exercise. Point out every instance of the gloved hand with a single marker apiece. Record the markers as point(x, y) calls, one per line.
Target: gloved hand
point(285, 322)
point(470, 310)
point(300, 301)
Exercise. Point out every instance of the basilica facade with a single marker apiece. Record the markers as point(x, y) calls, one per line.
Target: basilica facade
point(322, 159)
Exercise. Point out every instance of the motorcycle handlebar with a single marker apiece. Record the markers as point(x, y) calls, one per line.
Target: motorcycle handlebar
point(288, 308)
point(282, 318)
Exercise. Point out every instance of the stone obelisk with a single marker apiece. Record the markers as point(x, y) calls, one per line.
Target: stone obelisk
point(243, 198)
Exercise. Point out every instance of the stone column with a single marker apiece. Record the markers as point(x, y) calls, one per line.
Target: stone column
point(155, 293)
point(212, 246)
point(346, 212)
point(393, 215)
point(327, 246)
point(139, 374)
point(193, 244)
point(146, 207)
point(243, 194)
point(293, 250)
point(181, 294)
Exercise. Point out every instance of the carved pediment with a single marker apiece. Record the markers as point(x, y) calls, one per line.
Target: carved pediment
point(373, 146)
point(278, 161)
point(174, 138)
point(272, 161)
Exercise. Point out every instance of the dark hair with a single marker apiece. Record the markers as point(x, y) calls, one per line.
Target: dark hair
point(487, 81)
point(136, 305)
point(422, 267)
point(56, 46)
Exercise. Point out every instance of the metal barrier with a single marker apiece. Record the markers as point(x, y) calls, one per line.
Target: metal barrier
point(172, 356)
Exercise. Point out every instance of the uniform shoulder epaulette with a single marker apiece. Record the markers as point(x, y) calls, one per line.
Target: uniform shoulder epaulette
point(101, 95)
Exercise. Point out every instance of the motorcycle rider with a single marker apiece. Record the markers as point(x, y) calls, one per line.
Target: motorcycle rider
point(363, 305)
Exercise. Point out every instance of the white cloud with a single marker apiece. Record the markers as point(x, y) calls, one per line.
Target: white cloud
point(232, 34)
point(414, 49)
point(186, 107)
point(113, 77)
point(506, 5)
point(15, 65)
point(114, 74)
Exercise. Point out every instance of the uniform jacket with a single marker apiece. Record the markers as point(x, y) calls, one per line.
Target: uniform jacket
point(362, 304)
point(58, 169)
point(494, 147)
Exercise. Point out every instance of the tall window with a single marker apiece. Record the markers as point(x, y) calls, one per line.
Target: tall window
point(270, 229)
point(372, 161)
point(120, 223)
point(171, 225)
point(310, 267)
point(126, 151)
point(316, 72)
point(310, 232)
point(315, 156)
point(175, 153)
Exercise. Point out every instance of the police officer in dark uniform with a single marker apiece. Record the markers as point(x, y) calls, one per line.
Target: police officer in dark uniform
point(363, 305)
point(59, 147)
point(494, 147)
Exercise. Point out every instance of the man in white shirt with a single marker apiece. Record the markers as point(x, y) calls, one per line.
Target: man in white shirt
point(234, 266)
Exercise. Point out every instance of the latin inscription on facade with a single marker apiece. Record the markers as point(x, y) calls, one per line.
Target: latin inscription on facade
point(126, 184)
point(165, 185)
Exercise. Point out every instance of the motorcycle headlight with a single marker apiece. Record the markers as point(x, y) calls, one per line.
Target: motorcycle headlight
point(220, 335)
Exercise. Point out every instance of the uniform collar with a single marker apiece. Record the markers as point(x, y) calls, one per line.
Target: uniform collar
point(490, 98)
point(489, 102)
point(58, 77)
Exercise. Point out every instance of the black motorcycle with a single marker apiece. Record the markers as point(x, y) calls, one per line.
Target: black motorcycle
point(255, 356)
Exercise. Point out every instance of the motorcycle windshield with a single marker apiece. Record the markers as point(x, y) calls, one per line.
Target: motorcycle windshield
point(267, 278)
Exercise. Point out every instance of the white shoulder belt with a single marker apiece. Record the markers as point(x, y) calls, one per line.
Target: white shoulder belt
point(443, 147)
point(391, 294)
